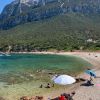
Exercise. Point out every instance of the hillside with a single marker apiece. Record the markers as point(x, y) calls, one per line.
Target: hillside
point(29, 25)
point(63, 32)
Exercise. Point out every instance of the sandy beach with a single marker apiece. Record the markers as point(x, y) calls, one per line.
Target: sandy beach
point(83, 92)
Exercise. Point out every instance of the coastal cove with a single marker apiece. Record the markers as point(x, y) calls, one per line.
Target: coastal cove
point(26, 72)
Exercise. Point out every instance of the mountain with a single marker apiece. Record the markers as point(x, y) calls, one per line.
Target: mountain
point(23, 11)
point(21, 6)
point(63, 32)
point(50, 24)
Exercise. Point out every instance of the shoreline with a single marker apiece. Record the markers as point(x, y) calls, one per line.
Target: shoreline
point(92, 57)
point(84, 55)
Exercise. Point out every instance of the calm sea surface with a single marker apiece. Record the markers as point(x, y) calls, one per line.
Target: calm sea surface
point(23, 67)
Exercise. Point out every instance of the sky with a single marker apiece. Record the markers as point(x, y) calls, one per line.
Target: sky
point(3, 3)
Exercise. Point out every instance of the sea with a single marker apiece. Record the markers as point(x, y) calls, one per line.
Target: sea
point(22, 74)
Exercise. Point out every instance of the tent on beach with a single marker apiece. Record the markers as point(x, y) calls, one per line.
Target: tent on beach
point(64, 80)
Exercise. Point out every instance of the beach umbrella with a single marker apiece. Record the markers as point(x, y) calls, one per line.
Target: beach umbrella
point(91, 73)
point(64, 80)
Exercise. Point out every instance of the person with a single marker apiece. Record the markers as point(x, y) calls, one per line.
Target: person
point(52, 85)
point(73, 93)
point(69, 96)
point(62, 97)
point(91, 78)
point(41, 86)
point(89, 83)
point(48, 85)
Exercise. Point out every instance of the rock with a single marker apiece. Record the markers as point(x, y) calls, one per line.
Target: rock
point(22, 12)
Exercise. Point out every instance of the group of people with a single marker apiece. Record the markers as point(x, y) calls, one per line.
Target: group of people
point(48, 85)
point(65, 96)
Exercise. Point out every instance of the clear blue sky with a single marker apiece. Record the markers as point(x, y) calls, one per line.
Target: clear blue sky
point(3, 3)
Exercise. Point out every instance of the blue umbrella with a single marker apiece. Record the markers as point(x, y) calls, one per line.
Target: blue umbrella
point(91, 73)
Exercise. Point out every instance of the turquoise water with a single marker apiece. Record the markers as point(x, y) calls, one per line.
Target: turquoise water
point(26, 67)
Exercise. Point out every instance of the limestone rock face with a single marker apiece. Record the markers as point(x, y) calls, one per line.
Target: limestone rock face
point(23, 11)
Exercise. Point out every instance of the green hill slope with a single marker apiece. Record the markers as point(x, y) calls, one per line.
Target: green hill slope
point(63, 32)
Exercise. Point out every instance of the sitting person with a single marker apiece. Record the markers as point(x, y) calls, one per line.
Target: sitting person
point(66, 95)
point(39, 98)
point(89, 82)
point(48, 86)
point(62, 97)
point(41, 86)
point(69, 96)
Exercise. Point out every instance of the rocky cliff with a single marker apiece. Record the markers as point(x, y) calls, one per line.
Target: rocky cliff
point(23, 11)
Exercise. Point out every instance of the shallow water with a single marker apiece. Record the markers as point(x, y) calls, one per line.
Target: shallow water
point(23, 62)
point(22, 74)
point(23, 67)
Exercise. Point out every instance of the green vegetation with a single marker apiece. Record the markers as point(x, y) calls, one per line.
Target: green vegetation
point(64, 32)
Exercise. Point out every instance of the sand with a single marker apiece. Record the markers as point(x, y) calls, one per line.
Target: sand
point(83, 92)
point(89, 93)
